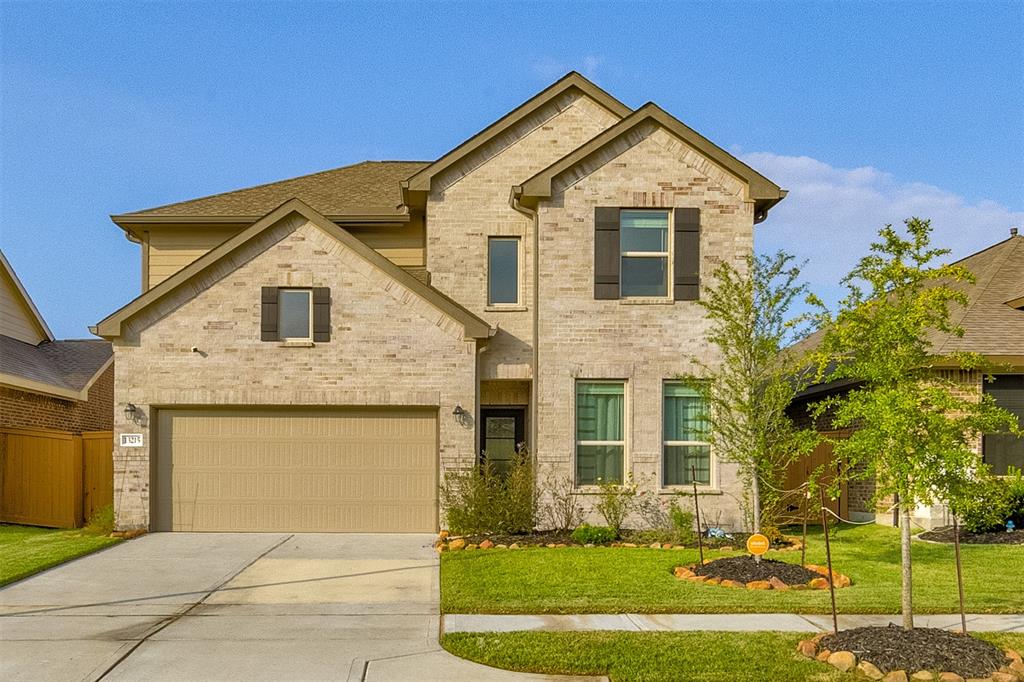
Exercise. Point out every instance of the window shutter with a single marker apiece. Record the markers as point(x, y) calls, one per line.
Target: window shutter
point(321, 314)
point(268, 314)
point(606, 252)
point(687, 254)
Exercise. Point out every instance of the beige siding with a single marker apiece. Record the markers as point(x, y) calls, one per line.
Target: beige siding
point(16, 319)
point(172, 248)
point(275, 470)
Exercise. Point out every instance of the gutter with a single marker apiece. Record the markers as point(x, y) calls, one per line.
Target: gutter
point(533, 215)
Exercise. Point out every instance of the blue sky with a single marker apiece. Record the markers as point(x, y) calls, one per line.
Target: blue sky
point(867, 112)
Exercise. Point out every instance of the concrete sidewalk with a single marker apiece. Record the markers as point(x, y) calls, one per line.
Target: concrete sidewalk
point(732, 622)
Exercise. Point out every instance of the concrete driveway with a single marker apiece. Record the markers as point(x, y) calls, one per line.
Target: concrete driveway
point(183, 606)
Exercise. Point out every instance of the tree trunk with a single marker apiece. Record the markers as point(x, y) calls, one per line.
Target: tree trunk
point(906, 601)
point(755, 498)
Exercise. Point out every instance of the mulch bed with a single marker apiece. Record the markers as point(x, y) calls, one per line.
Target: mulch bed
point(744, 569)
point(629, 538)
point(999, 537)
point(893, 648)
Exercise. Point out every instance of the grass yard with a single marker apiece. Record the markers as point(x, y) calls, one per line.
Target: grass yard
point(25, 550)
point(639, 580)
point(655, 656)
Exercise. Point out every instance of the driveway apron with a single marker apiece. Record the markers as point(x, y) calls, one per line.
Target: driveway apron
point(183, 606)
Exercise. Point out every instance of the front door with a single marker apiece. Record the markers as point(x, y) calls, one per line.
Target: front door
point(502, 431)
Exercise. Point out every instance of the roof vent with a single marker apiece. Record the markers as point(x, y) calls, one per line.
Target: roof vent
point(1013, 231)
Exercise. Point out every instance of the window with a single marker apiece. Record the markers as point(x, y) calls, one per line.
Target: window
point(503, 271)
point(600, 411)
point(685, 416)
point(295, 314)
point(644, 249)
point(1001, 451)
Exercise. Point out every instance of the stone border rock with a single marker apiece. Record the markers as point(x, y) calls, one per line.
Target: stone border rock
point(686, 573)
point(455, 543)
point(846, 661)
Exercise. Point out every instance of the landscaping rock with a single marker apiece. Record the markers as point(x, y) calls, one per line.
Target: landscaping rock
point(807, 648)
point(456, 545)
point(841, 580)
point(778, 584)
point(698, 578)
point(561, 544)
point(440, 548)
point(732, 583)
point(725, 548)
point(844, 661)
point(895, 676)
point(823, 655)
point(818, 637)
point(1013, 655)
point(471, 546)
point(922, 676)
point(1003, 677)
point(666, 545)
point(655, 545)
point(870, 670)
point(682, 572)
point(1017, 668)
point(629, 544)
point(443, 535)
point(551, 545)
point(759, 585)
point(501, 547)
point(712, 581)
point(486, 544)
point(514, 545)
point(950, 677)
point(818, 584)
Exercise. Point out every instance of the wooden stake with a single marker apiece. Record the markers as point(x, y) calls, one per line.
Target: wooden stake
point(828, 559)
point(807, 508)
point(959, 574)
point(696, 510)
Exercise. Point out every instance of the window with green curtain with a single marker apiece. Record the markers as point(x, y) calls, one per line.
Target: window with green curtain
point(600, 412)
point(685, 445)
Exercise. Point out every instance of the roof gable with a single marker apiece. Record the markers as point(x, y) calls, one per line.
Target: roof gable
point(762, 191)
point(19, 317)
point(420, 183)
point(475, 327)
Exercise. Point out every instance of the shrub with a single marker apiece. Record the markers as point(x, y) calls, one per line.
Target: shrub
point(615, 501)
point(561, 509)
point(1015, 496)
point(682, 524)
point(774, 535)
point(480, 500)
point(101, 522)
point(593, 535)
point(987, 504)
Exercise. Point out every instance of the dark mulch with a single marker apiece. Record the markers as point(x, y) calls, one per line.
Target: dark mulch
point(744, 569)
point(999, 537)
point(638, 537)
point(893, 648)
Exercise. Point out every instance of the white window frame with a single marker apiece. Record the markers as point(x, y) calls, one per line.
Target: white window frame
point(280, 313)
point(519, 271)
point(712, 472)
point(667, 255)
point(625, 430)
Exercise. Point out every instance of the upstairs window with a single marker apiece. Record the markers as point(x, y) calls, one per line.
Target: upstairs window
point(503, 271)
point(295, 314)
point(644, 250)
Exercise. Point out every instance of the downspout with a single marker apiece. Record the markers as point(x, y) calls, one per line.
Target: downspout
point(532, 214)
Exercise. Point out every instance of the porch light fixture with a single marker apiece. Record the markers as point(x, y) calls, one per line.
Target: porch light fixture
point(129, 412)
point(459, 411)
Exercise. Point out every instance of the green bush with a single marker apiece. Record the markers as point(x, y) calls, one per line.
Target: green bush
point(615, 502)
point(990, 502)
point(682, 524)
point(593, 535)
point(1015, 496)
point(481, 500)
point(101, 522)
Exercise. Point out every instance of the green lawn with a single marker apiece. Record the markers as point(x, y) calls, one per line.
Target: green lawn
point(628, 580)
point(654, 656)
point(25, 550)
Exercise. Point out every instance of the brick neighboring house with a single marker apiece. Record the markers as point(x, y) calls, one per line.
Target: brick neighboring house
point(993, 323)
point(314, 354)
point(46, 383)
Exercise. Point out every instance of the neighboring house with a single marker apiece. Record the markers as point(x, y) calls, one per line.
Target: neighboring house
point(314, 354)
point(993, 324)
point(47, 384)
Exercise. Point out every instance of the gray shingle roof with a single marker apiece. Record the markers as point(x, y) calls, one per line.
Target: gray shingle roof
point(366, 188)
point(62, 364)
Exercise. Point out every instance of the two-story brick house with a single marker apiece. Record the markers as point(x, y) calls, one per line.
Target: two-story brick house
point(314, 354)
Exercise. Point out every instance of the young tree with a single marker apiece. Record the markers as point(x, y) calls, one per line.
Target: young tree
point(914, 427)
point(748, 391)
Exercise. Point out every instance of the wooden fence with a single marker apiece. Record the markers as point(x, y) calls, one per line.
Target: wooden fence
point(796, 505)
point(53, 478)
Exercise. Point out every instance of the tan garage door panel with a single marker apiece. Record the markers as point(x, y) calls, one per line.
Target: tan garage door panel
point(369, 470)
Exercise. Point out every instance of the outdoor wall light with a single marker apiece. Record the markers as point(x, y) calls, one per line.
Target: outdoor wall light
point(129, 412)
point(459, 411)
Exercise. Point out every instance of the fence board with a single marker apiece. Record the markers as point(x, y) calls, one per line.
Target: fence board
point(97, 471)
point(796, 505)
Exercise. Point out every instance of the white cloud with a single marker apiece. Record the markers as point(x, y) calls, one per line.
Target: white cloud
point(832, 214)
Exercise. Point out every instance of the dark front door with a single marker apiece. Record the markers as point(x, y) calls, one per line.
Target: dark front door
point(501, 432)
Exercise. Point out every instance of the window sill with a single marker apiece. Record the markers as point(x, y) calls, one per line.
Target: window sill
point(296, 344)
point(688, 489)
point(505, 309)
point(658, 300)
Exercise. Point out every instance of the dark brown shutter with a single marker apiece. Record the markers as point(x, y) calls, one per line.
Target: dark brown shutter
point(321, 314)
point(268, 314)
point(606, 252)
point(687, 255)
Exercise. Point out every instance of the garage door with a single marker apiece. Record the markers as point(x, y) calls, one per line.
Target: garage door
point(372, 470)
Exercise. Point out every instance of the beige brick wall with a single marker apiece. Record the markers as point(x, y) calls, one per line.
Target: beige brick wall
point(388, 347)
point(644, 344)
point(470, 202)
